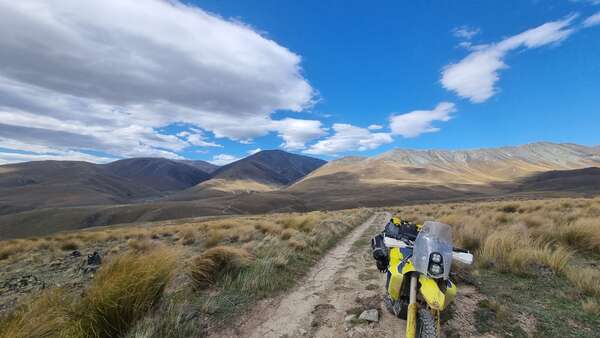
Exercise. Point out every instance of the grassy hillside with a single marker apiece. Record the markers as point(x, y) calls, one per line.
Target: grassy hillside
point(536, 264)
point(535, 271)
point(153, 275)
point(53, 184)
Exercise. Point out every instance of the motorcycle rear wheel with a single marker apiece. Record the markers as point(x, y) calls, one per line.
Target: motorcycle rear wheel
point(426, 327)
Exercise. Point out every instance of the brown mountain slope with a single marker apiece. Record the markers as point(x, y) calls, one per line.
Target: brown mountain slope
point(397, 177)
point(454, 169)
point(266, 170)
point(158, 173)
point(47, 184)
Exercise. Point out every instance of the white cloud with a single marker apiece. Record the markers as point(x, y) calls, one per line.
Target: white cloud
point(418, 122)
point(223, 159)
point(200, 141)
point(10, 157)
point(592, 20)
point(475, 76)
point(347, 137)
point(296, 133)
point(375, 127)
point(254, 151)
point(465, 32)
point(107, 74)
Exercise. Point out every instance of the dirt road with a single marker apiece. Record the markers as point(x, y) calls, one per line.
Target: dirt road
point(331, 297)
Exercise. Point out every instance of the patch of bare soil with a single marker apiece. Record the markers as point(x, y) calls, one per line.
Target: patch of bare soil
point(463, 316)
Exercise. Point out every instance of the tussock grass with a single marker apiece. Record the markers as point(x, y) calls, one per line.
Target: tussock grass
point(513, 250)
point(47, 315)
point(188, 237)
point(141, 245)
point(585, 278)
point(591, 306)
point(122, 293)
point(525, 236)
point(229, 264)
point(71, 245)
point(216, 262)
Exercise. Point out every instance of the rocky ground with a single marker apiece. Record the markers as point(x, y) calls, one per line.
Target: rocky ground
point(25, 277)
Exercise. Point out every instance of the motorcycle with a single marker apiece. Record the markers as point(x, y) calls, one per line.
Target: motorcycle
point(418, 277)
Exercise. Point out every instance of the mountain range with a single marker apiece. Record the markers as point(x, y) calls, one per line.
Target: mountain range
point(49, 196)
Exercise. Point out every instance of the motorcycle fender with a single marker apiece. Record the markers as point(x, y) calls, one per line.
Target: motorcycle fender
point(432, 294)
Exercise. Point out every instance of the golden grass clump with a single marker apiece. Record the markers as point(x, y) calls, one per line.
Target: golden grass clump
point(215, 262)
point(304, 223)
point(212, 238)
point(513, 250)
point(121, 293)
point(46, 315)
point(8, 250)
point(188, 237)
point(297, 244)
point(583, 234)
point(124, 292)
point(288, 233)
point(269, 228)
point(585, 279)
point(141, 245)
point(591, 306)
point(70, 245)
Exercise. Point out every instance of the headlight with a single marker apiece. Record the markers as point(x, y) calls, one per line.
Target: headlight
point(436, 269)
point(436, 258)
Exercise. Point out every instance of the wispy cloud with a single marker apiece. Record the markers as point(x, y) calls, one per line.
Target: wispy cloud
point(346, 138)
point(475, 76)
point(465, 32)
point(419, 122)
point(592, 20)
point(254, 151)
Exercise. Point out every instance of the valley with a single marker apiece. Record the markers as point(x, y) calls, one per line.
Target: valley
point(40, 198)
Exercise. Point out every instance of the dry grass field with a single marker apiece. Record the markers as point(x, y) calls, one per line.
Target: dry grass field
point(536, 261)
point(536, 270)
point(156, 280)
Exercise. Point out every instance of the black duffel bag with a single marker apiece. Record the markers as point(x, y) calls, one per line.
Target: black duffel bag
point(380, 252)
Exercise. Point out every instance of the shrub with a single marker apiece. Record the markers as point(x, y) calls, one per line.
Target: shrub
point(215, 262)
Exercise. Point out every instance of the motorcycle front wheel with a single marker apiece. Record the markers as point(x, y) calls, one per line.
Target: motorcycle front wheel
point(426, 327)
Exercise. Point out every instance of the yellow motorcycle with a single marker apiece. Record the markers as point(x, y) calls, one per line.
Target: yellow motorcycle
point(418, 284)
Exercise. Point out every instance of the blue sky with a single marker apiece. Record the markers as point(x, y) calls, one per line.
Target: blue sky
point(216, 80)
